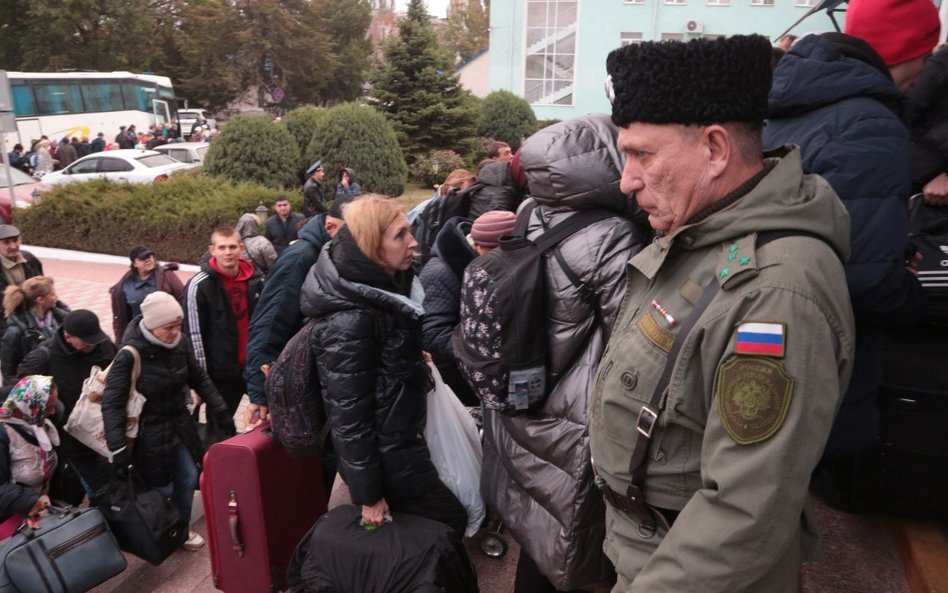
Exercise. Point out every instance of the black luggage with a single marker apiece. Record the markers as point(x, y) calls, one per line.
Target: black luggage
point(907, 473)
point(410, 554)
point(928, 232)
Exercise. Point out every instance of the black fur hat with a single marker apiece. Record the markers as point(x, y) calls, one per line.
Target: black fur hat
point(701, 82)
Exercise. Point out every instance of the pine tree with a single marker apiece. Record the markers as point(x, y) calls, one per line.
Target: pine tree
point(356, 136)
point(418, 91)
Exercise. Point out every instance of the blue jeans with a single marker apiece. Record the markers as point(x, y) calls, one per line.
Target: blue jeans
point(184, 479)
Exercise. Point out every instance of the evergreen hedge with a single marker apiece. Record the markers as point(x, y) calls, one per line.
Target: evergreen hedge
point(354, 135)
point(302, 123)
point(252, 148)
point(174, 218)
point(507, 117)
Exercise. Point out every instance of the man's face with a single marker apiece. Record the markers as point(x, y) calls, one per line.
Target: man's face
point(666, 171)
point(227, 250)
point(10, 248)
point(504, 154)
point(77, 343)
point(319, 174)
point(283, 208)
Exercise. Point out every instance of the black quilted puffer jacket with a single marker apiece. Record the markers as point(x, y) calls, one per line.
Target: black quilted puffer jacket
point(367, 347)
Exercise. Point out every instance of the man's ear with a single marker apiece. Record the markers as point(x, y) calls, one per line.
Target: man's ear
point(720, 146)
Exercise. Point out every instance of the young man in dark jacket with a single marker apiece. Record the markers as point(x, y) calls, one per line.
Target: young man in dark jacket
point(219, 301)
point(281, 227)
point(79, 345)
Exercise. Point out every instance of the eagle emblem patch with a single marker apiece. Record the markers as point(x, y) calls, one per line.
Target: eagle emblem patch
point(753, 398)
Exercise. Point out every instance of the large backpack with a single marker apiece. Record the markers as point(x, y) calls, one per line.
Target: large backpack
point(294, 397)
point(517, 283)
point(426, 226)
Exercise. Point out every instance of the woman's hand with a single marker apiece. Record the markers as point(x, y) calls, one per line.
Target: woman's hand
point(375, 514)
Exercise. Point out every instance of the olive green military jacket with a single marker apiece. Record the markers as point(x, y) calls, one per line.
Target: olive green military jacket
point(752, 395)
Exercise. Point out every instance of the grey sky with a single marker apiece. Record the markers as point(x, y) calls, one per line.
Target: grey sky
point(435, 7)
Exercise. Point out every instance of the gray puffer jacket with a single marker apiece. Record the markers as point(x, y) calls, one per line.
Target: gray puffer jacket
point(537, 471)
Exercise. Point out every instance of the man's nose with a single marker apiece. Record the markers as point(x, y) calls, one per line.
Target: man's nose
point(631, 181)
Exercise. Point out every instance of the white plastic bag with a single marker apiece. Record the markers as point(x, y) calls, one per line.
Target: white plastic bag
point(455, 449)
point(85, 421)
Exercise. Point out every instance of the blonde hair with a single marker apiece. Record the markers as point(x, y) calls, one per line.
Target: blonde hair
point(367, 218)
point(14, 296)
point(456, 179)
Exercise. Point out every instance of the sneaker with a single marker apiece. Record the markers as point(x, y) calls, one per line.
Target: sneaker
point(194, 542)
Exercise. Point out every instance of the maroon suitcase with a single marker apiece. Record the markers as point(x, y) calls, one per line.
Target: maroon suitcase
point(259, 502)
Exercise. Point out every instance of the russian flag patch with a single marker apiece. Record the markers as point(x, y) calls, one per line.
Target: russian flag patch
point(761, 339)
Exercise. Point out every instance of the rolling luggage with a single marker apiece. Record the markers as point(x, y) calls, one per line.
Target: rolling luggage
point(259, 502)
point(907, 473)
point(410, 554)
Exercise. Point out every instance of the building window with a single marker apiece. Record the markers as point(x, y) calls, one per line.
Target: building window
point(673, 37)
point(808, 3)
point(719, 2)
point(677, 2)
point(634, 2)
point(629, 38)
point(549, 67)
point(762, 2)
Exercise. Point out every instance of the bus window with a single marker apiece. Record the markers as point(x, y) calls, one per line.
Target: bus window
point(58, 98)
point(137, 97)
point(23, 103)
point(102, 96)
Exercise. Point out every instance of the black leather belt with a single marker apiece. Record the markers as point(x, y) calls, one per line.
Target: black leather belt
point(633, 504)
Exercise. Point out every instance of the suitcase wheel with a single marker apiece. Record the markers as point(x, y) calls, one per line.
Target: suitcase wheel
point(493, 545)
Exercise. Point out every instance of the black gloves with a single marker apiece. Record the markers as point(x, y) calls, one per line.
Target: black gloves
point(226, 423)
point(121, 464)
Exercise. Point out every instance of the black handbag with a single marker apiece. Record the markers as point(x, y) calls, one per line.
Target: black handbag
point(68, 550)
point(208, 432)
point(144, 522)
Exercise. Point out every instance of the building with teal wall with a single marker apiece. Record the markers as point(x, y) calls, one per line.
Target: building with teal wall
point(553, 52)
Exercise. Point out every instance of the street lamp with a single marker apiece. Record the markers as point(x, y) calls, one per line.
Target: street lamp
point(261, 212)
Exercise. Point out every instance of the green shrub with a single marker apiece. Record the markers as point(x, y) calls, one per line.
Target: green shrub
point(545, 123)
point(357, 136)
point(252, 148)
point(174, 217)
point(507, 117)
point(431, 169)
point(301, 123)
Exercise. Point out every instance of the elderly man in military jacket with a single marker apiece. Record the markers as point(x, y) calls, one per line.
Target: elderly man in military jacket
point(716, 394)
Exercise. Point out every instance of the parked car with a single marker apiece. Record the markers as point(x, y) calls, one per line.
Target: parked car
point(187, 117)
point(25, 190)
point(131, 165)
point(185, 152)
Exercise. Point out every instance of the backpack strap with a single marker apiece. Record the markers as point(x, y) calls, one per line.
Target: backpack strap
point(586, 292)
point(633, 502)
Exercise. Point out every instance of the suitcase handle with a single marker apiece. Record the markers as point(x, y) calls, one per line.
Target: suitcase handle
point(233, 521)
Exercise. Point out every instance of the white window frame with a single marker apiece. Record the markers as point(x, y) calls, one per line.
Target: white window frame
point(769, 3)
point(719, 2)
point(629, 37)
point(633, 2)
point(673, 37)
point(676, 2)
point(545, 80)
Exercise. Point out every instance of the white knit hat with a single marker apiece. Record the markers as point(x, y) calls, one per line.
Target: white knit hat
point(160, 309)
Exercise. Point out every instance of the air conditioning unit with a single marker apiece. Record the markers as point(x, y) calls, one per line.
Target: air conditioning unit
point(694, 26)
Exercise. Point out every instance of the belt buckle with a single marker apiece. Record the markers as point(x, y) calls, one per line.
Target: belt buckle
point(646, 421)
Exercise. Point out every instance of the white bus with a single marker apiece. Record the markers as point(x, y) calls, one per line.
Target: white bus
point(77, 104)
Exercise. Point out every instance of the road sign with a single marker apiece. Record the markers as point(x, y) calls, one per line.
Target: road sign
point(277, 94)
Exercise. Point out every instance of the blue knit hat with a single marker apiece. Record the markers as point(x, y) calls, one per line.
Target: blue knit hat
point(313, 167)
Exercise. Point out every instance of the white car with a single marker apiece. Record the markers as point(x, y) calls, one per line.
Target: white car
point(187, 117)
point(185, 152)
point(131, 165)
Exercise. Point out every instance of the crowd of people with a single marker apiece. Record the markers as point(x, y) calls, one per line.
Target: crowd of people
point(713, 338)
point(46, 155)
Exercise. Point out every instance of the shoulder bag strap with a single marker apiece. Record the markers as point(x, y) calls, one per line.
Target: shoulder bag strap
point(136, 365)
point(649, 413)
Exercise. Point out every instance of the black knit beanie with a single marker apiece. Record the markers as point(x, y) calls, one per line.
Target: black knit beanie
point(701, 82)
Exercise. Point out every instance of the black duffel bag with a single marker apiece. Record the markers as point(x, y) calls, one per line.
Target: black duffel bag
point(928, 232)
point(144, 522)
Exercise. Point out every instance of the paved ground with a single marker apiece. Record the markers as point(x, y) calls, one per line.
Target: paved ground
point(861, 553)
